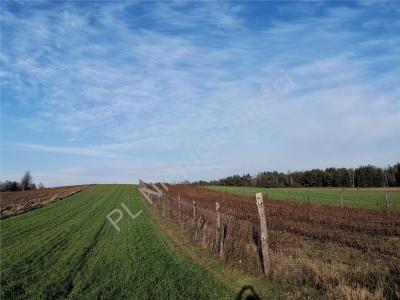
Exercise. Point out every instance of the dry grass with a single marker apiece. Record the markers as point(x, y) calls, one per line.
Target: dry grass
point(320, 252)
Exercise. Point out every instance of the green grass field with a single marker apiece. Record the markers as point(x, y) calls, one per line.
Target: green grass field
point(368, 198)
point(69, 249)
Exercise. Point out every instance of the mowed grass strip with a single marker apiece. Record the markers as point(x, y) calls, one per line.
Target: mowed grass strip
point(69, 250)
point(363, 197)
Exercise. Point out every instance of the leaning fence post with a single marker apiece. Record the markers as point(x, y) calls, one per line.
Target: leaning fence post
point(386, 201)
point(264, 234)
point(179, 208)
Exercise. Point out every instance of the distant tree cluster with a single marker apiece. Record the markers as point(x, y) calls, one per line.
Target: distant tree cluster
point(26, 183)
point(364, 176)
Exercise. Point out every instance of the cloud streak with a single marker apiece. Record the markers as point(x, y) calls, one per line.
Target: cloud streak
point(156, 80)
point(81, 151)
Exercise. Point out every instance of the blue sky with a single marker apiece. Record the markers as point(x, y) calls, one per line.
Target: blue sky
point(97, 92)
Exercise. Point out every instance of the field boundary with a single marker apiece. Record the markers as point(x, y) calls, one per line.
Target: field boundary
point(53, 199)
point(230, 228)
point(233, 278)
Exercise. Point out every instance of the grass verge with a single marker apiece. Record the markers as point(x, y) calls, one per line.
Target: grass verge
point(68, 250)
point(233, 278)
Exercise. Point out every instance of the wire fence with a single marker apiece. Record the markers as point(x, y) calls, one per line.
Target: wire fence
point(229, 225)
point(381, 198)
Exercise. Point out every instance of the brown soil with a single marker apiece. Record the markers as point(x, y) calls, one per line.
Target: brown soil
point(13, 203)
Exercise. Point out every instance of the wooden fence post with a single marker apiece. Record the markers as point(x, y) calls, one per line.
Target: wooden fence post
point(164, 206)
point(218, 235)
point(170, 207)
point(222, 243)
point(264, 234)
point(217, 209)
point(171, 211)
point(341, 199)
point(386, 201)
point(194, 210)
point(179, 208)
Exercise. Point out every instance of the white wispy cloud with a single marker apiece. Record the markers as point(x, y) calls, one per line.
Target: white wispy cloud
point(135, 80)
point(84, 151)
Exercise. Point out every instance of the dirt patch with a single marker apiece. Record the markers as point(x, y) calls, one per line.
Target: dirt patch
point(13, 203)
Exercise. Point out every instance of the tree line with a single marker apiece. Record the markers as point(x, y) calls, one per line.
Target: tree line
point(26, 183)
point(363, 176)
